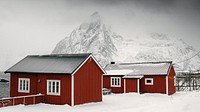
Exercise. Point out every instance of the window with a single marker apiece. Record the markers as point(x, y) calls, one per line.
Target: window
point(24, 85)
point(115, 82)
point(53, 87)
point(148, 81)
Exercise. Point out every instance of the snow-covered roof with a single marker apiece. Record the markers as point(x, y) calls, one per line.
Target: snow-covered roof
point(133, 76)
point(118, 72)
point(145, 68)
point(57, 63)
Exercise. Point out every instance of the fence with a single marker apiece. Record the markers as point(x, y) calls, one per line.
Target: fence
point(26, 100)
point(188, 81)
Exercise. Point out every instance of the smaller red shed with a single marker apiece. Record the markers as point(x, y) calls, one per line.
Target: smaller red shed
point(146, 77)
point(62, 78)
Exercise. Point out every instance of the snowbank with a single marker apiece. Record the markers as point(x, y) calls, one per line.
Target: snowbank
point(179, 102)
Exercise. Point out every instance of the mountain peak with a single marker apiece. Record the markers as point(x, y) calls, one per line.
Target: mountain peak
point(95, 17)
point(93, 22)
point(93, 36)
point(95, 14)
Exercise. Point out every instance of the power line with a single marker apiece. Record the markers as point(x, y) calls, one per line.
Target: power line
point(188, 58)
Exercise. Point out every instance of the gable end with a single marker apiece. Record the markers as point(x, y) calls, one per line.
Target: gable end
point(90, 56)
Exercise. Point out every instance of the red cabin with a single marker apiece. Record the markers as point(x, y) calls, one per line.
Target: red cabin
point(62, 78)
point(147, 77)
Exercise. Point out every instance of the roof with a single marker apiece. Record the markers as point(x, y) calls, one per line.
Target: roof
point(118, 72)
point(56, 63)
point(145, 68)
point(133, 76)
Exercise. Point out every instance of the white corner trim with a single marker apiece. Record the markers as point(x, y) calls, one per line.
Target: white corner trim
point(138, 86)
point(72, 90)
point(167, 83)
point(124, 85)
point(102, 85)
point(167, 91)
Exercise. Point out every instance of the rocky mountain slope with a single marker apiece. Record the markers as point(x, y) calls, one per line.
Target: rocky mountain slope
point(95, 37)
point(91, 36)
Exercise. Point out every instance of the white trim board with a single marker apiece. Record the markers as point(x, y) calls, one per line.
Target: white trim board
point(167, 89)
point(138, 86)
point(90, 56)
point(167, 83)
point(102, 86)
point(72, 90)
point(124, 85)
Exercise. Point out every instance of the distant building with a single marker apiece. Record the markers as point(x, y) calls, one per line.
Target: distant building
point(147, 77)
point(63, 78)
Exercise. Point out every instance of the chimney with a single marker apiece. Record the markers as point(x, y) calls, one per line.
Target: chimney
point(112, 62)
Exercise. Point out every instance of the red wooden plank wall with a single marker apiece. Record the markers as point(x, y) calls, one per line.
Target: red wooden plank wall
point(131, 85)
point(171, 87)
point(87, 83)
point(37, 86)
point(159, 85)
point(106, 84)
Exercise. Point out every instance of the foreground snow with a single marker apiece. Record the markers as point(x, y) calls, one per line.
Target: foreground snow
point(179, 102)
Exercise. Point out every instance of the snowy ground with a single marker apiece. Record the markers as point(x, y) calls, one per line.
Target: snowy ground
point(179, 102)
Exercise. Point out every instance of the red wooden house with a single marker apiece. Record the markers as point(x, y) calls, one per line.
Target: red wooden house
point(147, 77)
point(62, 79)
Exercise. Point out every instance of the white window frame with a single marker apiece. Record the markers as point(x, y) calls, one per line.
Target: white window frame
point(118, 83)
point(53, 91)
point(146, 79)
point(22, 85)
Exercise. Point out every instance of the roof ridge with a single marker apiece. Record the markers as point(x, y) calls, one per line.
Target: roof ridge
point(51, 64)
point(61, 55)
point(153, 62)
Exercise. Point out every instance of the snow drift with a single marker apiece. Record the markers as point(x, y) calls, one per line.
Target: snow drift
point(132, 102)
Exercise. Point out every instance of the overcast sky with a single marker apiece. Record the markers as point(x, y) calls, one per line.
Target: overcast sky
point(35, 26)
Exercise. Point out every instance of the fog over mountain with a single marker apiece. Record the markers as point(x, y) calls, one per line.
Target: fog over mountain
point(96, 37)
point(34, 27)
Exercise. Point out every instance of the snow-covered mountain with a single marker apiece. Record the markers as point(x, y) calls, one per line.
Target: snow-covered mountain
point(159, 47)
point(95, 37)
point(91, 36)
